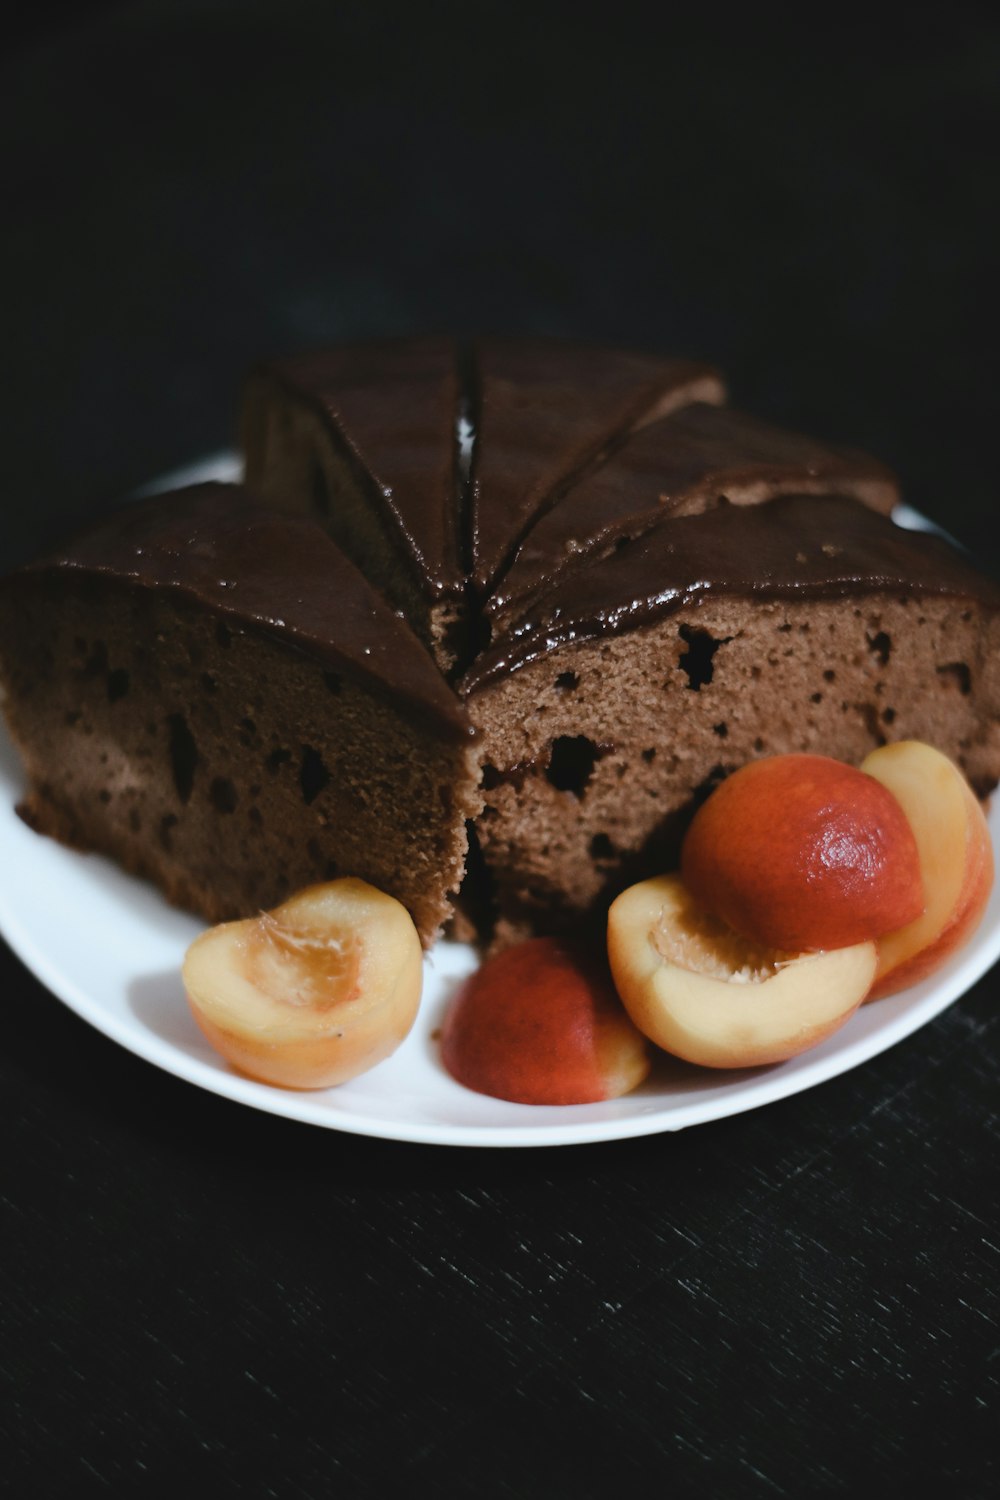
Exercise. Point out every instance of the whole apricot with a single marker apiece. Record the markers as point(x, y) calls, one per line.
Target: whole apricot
point(803, 852)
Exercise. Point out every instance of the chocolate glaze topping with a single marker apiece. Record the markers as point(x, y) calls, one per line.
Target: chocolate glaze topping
point(795, 547)
point(392, 404)
point(683, 464)
point(544, 411)
point(278, 575)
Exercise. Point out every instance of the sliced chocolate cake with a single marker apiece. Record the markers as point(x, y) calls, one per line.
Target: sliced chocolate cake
point(700, 457)
point(376, 442)
point(365, 440)
point(635, 685)
point(544, 413)
point(214, 695)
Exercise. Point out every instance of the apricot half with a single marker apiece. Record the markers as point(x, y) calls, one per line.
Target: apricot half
point(699, 990)
point(956, 860)
point(804, 852)
point(540, 1023)
point(312, 993)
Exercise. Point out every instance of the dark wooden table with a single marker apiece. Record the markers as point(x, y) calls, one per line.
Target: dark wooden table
point(796, 1301)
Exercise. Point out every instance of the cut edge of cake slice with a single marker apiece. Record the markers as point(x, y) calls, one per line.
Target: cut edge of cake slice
point(546, 410)
point(685, 463)
point(364, 438)
point(623, 697)
point(212, 694)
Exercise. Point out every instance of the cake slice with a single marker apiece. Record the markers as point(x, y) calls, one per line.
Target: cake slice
point(543, 412)
point(211, 693)
point(364, 438)
point(683, 464)
point(427, 463)
point(633, 686)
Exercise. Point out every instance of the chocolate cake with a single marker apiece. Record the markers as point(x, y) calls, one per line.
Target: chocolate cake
point(364, 439)
point(214, 695)
point(632, 687)
point(632, 589)
point(374, 441)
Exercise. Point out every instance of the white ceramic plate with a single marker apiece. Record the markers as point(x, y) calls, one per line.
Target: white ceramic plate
point(111, 948)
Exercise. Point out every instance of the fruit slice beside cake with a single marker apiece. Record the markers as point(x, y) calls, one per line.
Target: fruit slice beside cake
point(212, 693)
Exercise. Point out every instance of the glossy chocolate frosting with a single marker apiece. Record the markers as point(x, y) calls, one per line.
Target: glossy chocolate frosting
point(392, 405)
point(545, 410)
point(796, 547)
point(685, 463)
point(278, 575)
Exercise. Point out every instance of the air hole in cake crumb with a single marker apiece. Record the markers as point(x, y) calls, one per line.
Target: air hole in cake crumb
point(816, 698)
point(208, 682)
point(313, 774)
point(334, 681)
point(888, 715)
point(881, 645)
point(222, 795)
point(276, 759)
point(167, 824)
point(601, 847)
point(223, 634)
point(698, 660)
point(649, 755)
point(759, 745)
point(870, 717)
point(117, 684)
point(784, 629)
point(571, 762)
point(104, 796)
point(721, 729)
point(956, 674)
point(567, 682)
point(829, 675)
point(183, 755)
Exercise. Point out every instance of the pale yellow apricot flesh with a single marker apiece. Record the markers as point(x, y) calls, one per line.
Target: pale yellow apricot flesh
point(956, 860)
point(703, 993)
point(313, 993)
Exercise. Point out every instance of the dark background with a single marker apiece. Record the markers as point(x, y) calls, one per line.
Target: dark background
point(801, 1300)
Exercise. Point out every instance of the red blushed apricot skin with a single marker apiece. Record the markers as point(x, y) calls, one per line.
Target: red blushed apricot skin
point(803, 852)
point(541, 1024)
point(956, 853)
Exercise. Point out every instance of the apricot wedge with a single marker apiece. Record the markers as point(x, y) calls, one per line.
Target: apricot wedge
point(956, 860)
point(700, 991)
point(540, 1023)
point(312, 993)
